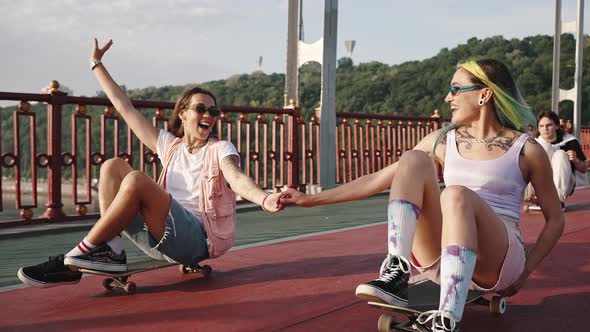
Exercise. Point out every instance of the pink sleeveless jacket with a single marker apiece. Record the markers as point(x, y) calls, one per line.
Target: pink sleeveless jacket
point(217, 202)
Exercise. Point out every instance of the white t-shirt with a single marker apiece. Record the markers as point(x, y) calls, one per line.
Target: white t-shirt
point(184, 170)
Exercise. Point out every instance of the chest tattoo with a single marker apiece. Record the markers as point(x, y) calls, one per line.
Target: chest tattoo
point(466, 141)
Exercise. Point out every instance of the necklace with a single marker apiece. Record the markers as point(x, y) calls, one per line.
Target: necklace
point(484, 140)
point(197, 145)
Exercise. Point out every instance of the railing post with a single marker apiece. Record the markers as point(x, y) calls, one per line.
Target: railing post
point(54, 204)
point(293, 148)
point(438, 120)
point(437, 125)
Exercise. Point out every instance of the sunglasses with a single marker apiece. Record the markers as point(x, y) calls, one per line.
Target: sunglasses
point(455, 89)
point(202, 109)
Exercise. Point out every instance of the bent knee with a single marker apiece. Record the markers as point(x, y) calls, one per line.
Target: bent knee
point(136, 181)
point(454, 196)
point(416, 160)
point(114, 166)
point(559, 157)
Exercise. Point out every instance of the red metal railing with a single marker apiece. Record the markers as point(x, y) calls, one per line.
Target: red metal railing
point(585, 141)
point(263, 145)
point(365, 143)
point(276, 146)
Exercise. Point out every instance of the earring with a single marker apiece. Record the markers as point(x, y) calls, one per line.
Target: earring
point(481, 102)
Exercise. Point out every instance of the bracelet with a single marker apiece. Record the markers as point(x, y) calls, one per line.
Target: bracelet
point(262, 205)
point(94, 63)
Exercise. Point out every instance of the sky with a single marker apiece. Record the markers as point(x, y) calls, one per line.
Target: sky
point(177, 42)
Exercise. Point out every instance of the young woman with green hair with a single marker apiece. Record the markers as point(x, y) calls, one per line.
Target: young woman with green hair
point(467, 236)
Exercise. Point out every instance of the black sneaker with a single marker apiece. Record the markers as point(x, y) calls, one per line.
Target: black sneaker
point(391, 287)
point(441, 321)
point(49, 274)
point(101, 258)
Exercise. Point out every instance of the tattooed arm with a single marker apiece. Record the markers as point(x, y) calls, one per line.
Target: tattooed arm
point(425, 145)
point(362, 187)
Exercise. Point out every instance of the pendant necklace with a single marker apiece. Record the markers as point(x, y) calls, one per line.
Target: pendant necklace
point(197, 145)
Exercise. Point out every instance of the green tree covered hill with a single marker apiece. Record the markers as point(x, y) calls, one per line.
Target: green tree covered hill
point(415, 87)
point(411, 88)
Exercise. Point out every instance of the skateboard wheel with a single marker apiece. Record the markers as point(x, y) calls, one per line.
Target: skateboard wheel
point(130, 288)
point(107, 284)
point(206, 270)
point(498, 305)
point(384, 323)
point(184, 269)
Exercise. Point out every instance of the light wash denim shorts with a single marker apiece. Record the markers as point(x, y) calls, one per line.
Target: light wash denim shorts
point(184, 240)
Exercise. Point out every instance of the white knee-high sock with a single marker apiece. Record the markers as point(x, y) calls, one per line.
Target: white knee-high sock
point(402, 217)
point(456, 270)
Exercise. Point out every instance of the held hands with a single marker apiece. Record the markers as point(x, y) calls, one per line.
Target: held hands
point(277, 201)
point(98, 52)
point(272, 203)
point(292, 196)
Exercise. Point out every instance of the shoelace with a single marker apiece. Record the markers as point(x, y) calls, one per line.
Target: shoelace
point(54, 261)
point(431, 315)
point(391, 272)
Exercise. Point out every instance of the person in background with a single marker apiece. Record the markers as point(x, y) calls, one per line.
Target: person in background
point(568, 161)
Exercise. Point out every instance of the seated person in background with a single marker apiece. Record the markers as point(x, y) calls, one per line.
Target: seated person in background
point(565, 153)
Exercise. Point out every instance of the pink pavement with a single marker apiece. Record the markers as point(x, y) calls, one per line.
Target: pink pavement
point(305, 284)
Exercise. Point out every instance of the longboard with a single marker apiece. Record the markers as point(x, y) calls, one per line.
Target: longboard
point(424, 296)
point(120, 279)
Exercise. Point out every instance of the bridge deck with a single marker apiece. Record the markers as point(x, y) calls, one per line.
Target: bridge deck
point(303, 284)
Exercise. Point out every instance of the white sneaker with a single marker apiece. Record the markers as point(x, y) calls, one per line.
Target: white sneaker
point(534, 207)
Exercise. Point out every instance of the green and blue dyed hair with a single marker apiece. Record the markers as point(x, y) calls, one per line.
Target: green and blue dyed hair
point(511, 109)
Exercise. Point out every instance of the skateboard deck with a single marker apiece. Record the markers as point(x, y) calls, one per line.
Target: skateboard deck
point(120, 279)
point(424, 296)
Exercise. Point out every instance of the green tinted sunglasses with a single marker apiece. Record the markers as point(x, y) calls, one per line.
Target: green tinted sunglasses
point(455, 89)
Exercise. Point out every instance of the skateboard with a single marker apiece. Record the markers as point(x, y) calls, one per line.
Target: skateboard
point(424, 296)
point(120, 279)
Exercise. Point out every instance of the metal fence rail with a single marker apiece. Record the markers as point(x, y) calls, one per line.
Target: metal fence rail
point(277, 148)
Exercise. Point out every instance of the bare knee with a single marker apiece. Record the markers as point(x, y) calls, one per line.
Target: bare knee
point(459, 222)
point(115, 167)
point(455, 199)
point(416, 162)
point(136, 182)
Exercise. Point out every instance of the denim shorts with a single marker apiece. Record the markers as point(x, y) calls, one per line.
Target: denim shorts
point(184, 240)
